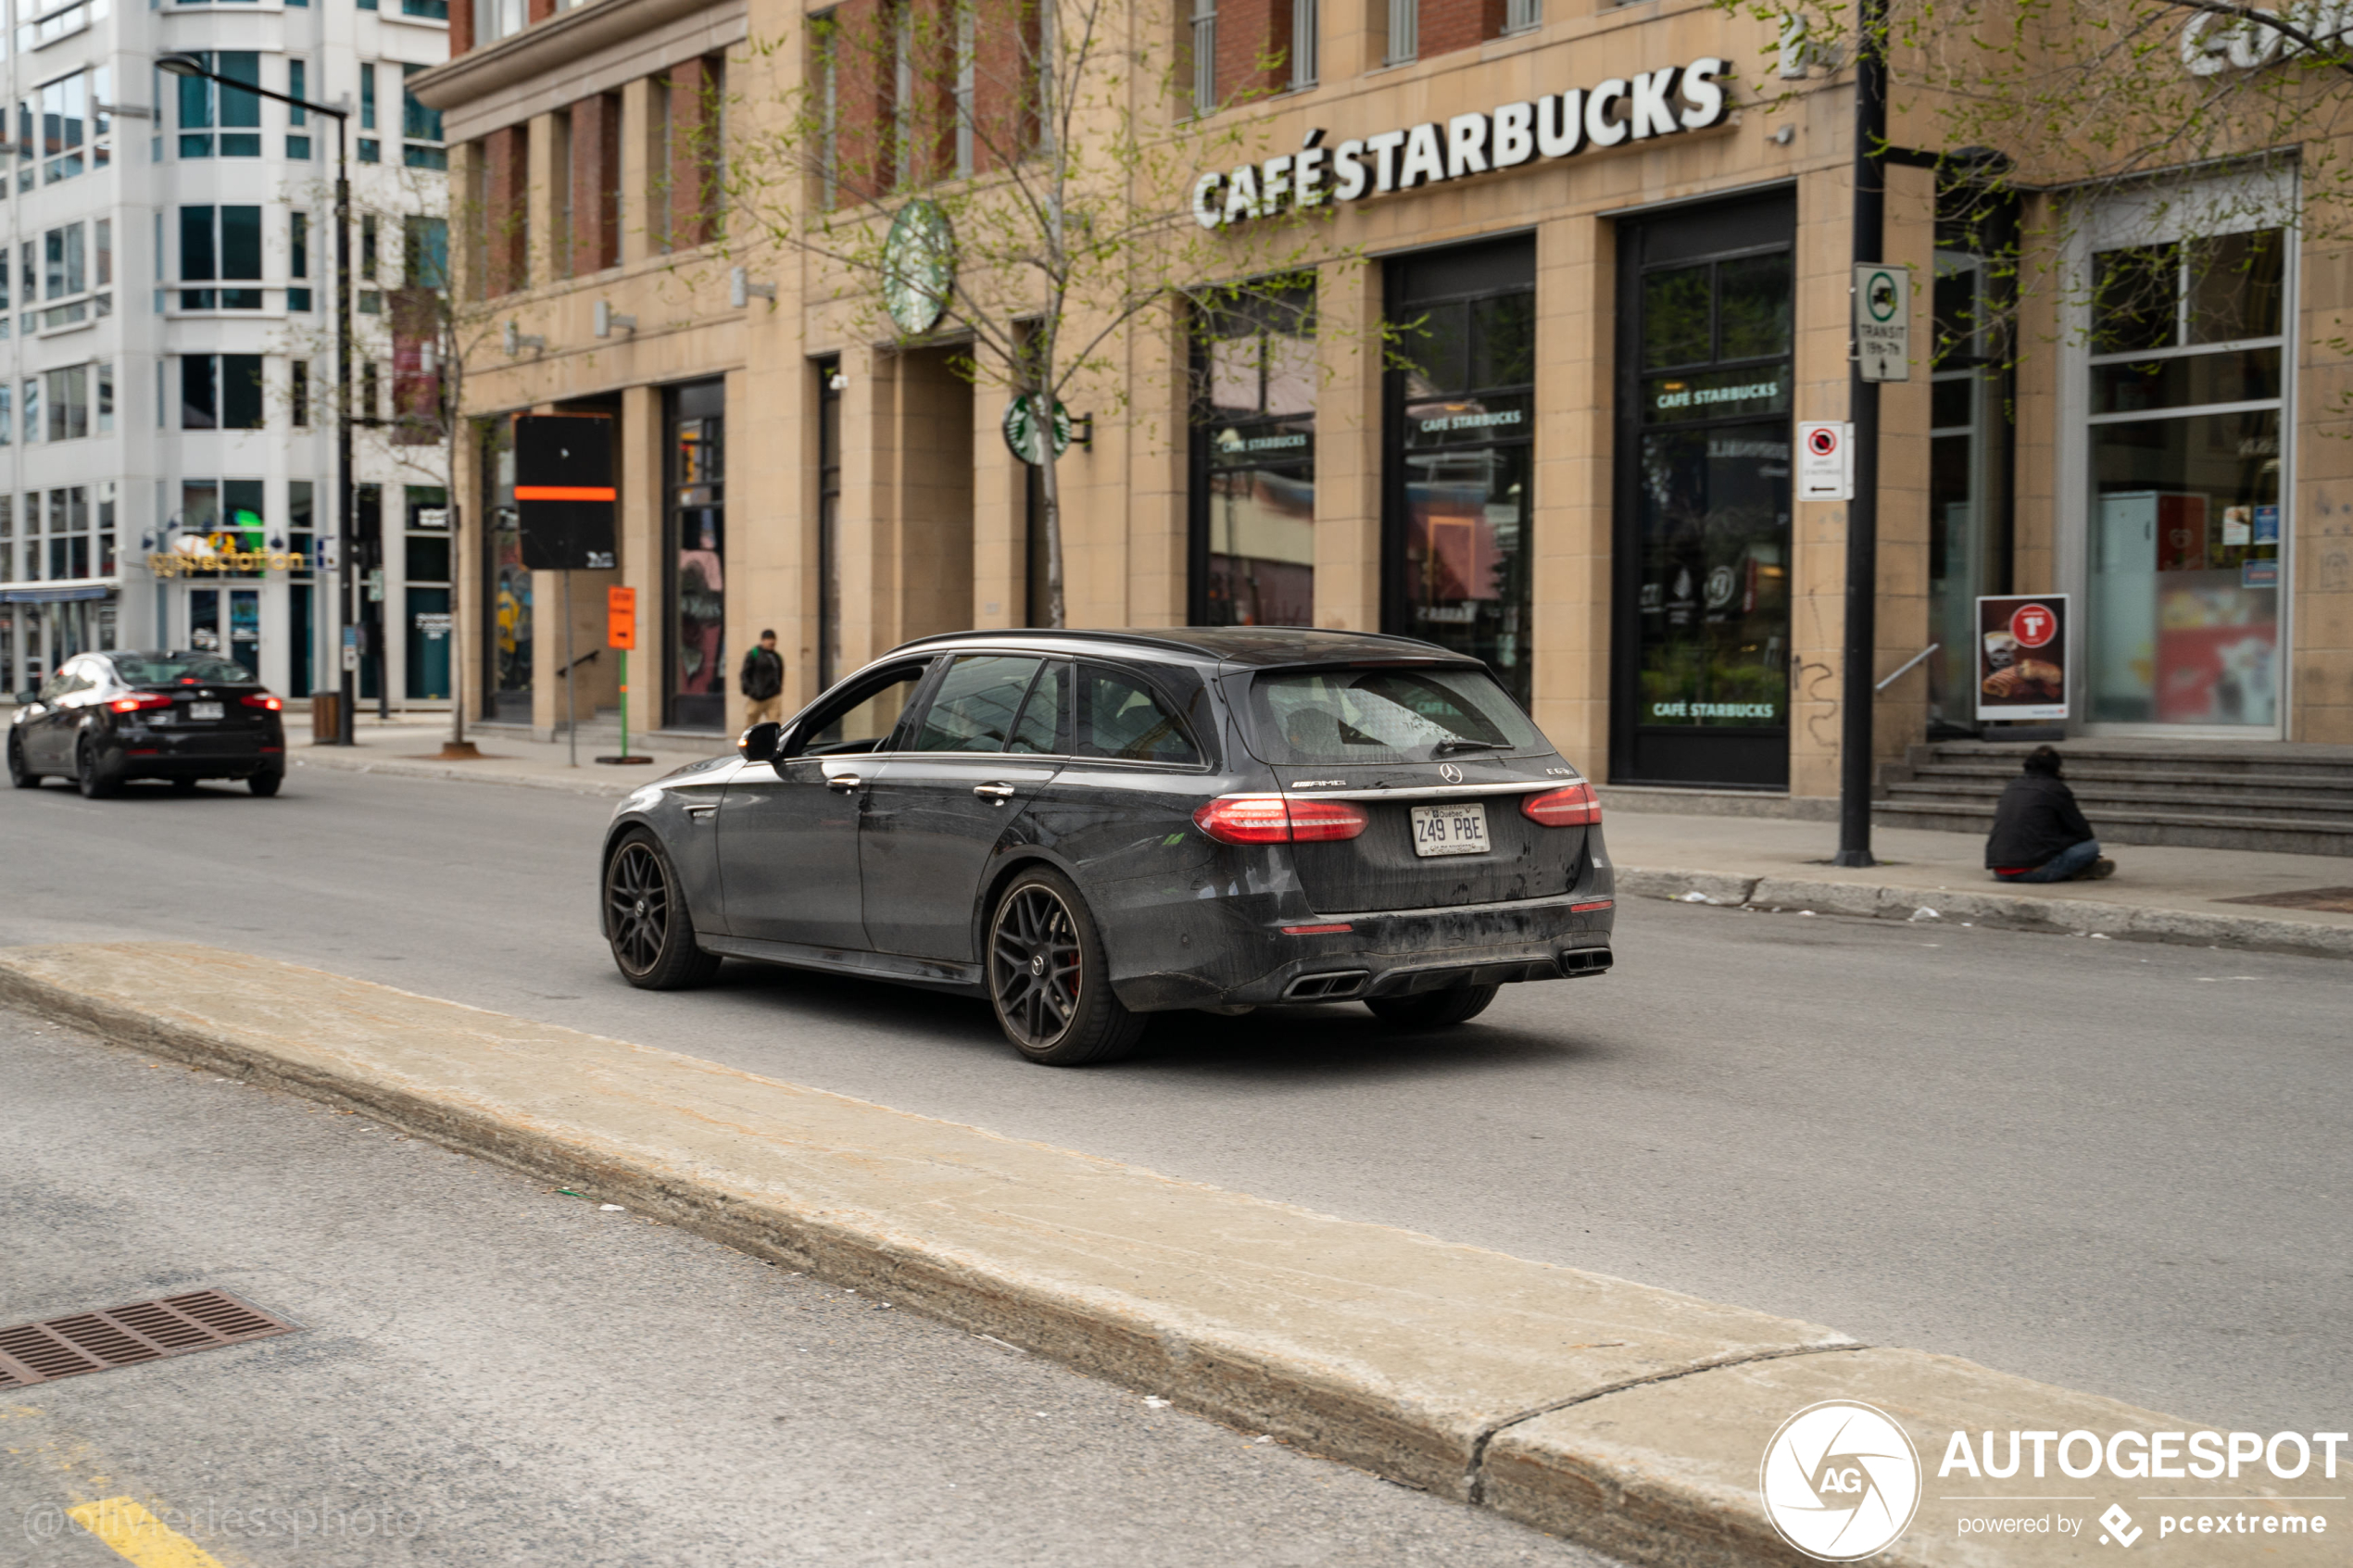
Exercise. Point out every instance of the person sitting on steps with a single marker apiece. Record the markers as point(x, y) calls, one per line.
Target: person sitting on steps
point(2039, 831)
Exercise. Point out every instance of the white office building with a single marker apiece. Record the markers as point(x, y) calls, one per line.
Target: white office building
point(167, 339)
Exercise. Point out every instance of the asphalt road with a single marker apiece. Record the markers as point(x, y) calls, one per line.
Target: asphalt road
point(2114, 1166)
point(489, 1371)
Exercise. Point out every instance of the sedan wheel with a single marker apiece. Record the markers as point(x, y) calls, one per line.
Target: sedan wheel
point(18, 774)
point(1048, 978)
point(646, 921)
point(96, 781)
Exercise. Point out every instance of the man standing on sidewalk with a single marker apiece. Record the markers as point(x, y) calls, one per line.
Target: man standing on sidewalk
point(2039, 831)
point(762, 683)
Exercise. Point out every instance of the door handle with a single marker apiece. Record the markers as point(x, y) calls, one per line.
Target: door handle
point(842, 784)
point(998, 793)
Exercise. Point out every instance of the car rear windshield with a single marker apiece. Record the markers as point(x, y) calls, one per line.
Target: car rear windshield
point(176, 669)
point(1385, 715)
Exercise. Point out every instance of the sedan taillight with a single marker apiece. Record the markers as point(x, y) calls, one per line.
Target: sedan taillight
point(139, 702)
point(1572, 807)
point(1271, 819)
point(263, 699)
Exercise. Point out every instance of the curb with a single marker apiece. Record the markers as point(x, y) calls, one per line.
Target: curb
point(403, 769)
point(1619, 1415)
point(2008, 912)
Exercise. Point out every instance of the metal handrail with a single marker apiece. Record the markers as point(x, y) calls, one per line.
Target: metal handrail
point(1905, 666)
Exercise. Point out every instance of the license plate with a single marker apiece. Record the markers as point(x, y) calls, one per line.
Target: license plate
point(1451, 830)
point(200, 711)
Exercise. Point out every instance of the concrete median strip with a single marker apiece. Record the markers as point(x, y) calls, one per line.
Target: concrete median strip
point(2010, 911)
point(1628, 1417)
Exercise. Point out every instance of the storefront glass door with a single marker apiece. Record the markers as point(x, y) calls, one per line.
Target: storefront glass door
point(1462, 422)
point(696, 523)
point(2187, 370)
point(227, 621)
point(1254, 463)
point(1701, 689)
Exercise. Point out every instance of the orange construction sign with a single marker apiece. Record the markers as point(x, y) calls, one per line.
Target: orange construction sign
point(620, 618)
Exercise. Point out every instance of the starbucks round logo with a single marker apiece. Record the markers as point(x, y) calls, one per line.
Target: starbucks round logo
point(919, 266)
point(1026, 430)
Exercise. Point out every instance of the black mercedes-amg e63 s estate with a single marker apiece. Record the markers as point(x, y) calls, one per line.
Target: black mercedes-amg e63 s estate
point(1089, 827)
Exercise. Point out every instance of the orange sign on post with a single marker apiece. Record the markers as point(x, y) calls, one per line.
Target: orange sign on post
point(620, 618)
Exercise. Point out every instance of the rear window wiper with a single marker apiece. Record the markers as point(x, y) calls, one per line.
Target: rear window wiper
point(1442, 747)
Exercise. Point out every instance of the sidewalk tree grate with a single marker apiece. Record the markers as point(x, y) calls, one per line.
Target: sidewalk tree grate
point(145, 1330)
point(2338, 900)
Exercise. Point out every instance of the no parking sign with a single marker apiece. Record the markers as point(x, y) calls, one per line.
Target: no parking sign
point(1825, 460)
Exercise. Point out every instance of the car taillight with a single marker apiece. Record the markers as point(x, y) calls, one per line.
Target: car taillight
point(1572, 807)
point(1270, 818)
point(263, 699)
point(139, 702)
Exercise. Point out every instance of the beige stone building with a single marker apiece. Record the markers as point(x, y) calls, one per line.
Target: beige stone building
point(1630, 277)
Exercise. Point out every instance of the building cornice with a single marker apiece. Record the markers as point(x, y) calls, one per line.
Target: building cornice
point(592, 48)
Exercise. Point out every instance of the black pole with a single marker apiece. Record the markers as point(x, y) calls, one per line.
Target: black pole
point(347, 709)
point(1862, 401)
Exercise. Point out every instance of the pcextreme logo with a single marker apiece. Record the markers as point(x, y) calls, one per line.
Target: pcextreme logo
point(1840, 1481)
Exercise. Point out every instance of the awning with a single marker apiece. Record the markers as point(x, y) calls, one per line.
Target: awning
point(57, 593)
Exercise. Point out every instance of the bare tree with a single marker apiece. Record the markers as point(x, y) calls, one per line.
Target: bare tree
point(1012, 178)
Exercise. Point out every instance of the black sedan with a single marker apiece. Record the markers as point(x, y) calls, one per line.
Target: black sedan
point(1088, 827)
point(106, 717)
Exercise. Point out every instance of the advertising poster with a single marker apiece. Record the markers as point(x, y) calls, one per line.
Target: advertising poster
point(2021, 657)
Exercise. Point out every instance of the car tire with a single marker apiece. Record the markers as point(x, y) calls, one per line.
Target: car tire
point(264, 785)
point(18, 774)
point(95, 780)
point(1049, 978)
point(1434, 1010)
point(647, 923)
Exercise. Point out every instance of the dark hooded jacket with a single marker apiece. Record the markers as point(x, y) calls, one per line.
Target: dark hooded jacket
point(2036, 819)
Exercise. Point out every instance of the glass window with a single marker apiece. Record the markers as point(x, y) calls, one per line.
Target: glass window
point(241, 407)
point(1120, 717)
point(977, 703)
point(240, 111)
point(1043, 713)
point(2188, 510)
point(69, 398)
point(1384, 716)
point(1254, 461)
point(199, 394)
point(861, 719)
point(698, 528)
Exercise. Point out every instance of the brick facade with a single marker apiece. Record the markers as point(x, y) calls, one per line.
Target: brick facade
point(596, 183)
point(1449, 25)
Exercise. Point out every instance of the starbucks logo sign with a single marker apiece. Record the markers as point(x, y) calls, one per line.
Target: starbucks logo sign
point(1027, 429)
point(919, 266)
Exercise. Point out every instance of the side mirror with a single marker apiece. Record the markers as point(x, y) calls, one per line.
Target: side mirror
point(759, 743)
point(27, 698)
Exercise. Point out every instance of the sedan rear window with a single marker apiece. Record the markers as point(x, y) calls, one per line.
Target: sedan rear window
point(176, 669)
point(1385, 715)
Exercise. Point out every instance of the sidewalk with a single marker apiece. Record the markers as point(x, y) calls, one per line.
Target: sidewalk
point(410, 746)
point(2159, 894)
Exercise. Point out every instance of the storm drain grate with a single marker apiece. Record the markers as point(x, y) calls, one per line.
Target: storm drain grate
point(145, 1330)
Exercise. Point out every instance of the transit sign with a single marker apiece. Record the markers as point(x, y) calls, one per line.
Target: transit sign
point(1883, 321)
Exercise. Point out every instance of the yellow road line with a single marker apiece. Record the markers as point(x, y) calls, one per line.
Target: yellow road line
point(139, 1535)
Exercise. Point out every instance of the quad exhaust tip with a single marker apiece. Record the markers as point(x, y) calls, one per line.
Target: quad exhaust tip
point(1333, 985)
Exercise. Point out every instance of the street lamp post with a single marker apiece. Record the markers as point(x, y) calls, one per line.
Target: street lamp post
point(347, 551)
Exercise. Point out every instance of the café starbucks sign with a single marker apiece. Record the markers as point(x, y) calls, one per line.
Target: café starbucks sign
point(1647, 107)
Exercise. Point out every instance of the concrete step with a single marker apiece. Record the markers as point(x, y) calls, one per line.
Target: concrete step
point(2216, 800)
point(2284, 835)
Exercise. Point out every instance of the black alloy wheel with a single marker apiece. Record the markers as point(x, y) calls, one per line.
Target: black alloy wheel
point(1048, 979)
point(18, 774)
point(1433, 1010)
point(95, 780)
point(264, 785)
point(646, 921)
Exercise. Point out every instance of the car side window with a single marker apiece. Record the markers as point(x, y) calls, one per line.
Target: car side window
point(861, 719)
point(1119, 716)
point(1044, 713)
point(976, 704)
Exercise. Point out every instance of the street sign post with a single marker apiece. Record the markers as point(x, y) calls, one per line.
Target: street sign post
point(1825, 460)
point(1883, 320)
point(621, 634)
